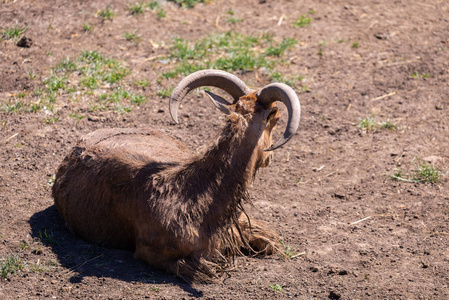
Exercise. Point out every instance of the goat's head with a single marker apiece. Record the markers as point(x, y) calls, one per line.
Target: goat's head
point(257, 108)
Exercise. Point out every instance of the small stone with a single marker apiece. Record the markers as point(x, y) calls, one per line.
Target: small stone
point(338, 195)
point(334, 295)
point(37, 251)
point(93, 118)
point(25, 42)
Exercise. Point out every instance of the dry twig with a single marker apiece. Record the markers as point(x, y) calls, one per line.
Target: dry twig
point(361, 220)
point(12, 136)
point(79, 266)
point(383, 96)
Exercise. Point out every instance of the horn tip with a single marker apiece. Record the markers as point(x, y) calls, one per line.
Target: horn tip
point(281, 142)
point(175, 119)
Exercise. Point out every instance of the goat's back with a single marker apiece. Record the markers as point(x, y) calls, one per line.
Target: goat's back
point(154, 144)
point(98, 183)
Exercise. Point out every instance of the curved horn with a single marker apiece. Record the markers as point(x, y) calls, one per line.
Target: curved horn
point(282, 92)
point(220, 79)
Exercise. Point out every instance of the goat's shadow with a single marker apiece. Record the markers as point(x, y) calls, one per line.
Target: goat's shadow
point(85, 259)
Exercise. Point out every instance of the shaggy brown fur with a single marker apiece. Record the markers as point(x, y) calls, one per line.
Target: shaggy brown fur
point(142, 190)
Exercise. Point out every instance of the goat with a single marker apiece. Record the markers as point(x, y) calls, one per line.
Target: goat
point(142, 190)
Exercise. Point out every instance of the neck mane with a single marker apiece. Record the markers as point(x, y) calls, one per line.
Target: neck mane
point(211, 187)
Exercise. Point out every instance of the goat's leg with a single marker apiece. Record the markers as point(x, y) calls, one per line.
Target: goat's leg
point(192, 268)
point(258, 237)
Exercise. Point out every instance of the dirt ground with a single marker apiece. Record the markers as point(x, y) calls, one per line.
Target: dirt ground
point(354, 232)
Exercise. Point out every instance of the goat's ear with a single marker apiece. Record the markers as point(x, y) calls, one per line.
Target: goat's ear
point(269, 113)
point(219, 102)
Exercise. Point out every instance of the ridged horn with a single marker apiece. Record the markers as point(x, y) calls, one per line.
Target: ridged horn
point(220, 79)
point(282, 92)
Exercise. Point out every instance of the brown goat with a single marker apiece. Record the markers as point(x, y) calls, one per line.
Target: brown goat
point(142, 189)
